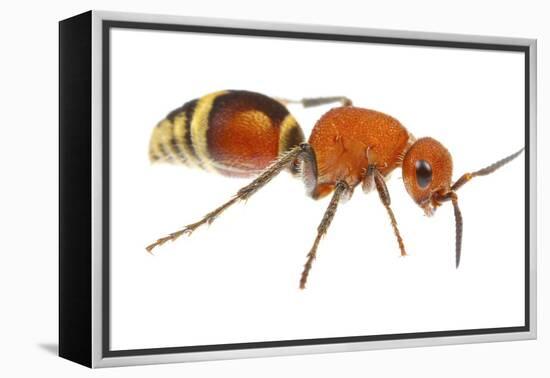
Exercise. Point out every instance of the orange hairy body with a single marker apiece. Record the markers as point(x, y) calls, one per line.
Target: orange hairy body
point(347, 139)
point(243, 134)
point(246, 133)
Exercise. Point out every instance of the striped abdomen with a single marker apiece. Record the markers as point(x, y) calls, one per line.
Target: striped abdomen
point(236, 133)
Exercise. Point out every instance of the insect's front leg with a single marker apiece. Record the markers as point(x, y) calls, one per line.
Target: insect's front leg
point(373, 178)
point(368, 179)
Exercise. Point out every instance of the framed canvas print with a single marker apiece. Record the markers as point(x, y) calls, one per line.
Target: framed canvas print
point(237, 189)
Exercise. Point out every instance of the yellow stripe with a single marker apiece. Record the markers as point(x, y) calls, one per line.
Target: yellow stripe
point(155, 153)
point(165, 139)
point(287, 126)
point(179, 135)
point(199, 128)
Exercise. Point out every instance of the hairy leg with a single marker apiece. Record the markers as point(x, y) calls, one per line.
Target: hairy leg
point(373, 176)
point(316, 101)
point(340, 188)
point(243, 194)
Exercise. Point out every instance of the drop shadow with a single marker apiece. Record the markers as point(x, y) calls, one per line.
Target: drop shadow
point(51, 348)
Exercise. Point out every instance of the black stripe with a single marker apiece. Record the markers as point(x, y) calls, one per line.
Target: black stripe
point(418, 41)
point(164, 152)
point(294, 137)
point(177, 148)
point(240, 100)
point(189, 113)
point(188, 109)
point(176, 153)
point(174, 113)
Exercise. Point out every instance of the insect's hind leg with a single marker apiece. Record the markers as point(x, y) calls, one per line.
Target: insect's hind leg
point(243, 194)
point(310, 102)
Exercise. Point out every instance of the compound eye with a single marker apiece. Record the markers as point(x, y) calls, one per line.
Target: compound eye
point(423, 173)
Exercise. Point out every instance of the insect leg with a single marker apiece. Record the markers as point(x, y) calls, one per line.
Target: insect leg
point(339, 189)
point(380, 184)
point(306, 165)
point(243, 194)
point(316, 101)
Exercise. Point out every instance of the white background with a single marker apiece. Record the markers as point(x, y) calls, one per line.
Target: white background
point(29, 193)
point(237, 281)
